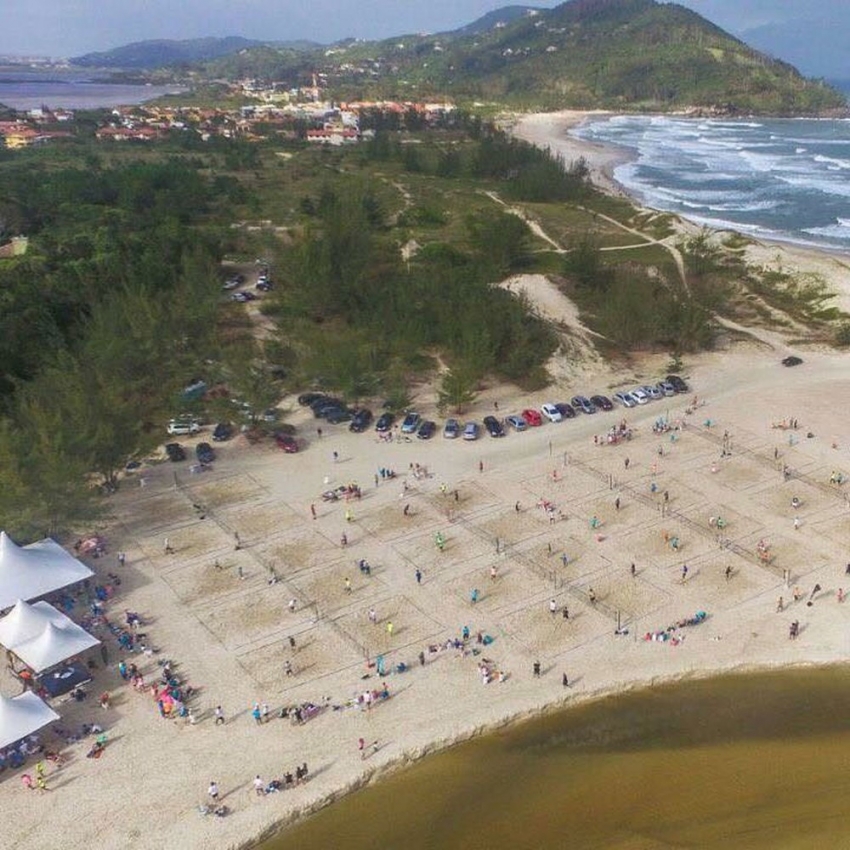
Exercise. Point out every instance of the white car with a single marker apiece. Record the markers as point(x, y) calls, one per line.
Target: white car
point(183, 425)
point(626, 399)
point(551, 412)
point(667, 388)
point(639, 395)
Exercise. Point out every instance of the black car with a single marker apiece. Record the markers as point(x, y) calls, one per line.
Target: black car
point(426, 430)
point(678, 384)
point(175, 452)
point(494, 427)
point(580, 402)
point(792, 361)
point(339, 415)
point(325, 406)
point(385, 422)
point(602, 402)
point(306, 399)
point(204, 453)
point(222, 432)
point(360, 421)
point(566, 410)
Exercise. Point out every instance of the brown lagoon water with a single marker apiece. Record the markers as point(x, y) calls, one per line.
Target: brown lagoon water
point(749, 762)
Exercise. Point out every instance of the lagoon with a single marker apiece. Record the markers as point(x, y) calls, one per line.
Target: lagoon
point(756, 762)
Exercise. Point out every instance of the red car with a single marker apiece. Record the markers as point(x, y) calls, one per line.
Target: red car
point(532, 417)
point(287, 443)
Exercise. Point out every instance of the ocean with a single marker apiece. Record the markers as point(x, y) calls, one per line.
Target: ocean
point(784, 179)
point(24, 90)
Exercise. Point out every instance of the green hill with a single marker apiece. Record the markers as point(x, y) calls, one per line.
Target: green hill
point(616, 54)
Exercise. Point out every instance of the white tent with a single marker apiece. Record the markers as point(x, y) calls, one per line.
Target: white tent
point(41, 636)
point(27, 572)
point(22, 715)
point(55, 644)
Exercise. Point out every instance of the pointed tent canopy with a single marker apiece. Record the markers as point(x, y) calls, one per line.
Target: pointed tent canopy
point(55, 644)
point(41, 636)
point(23, 623)
point(21, 716)
point(27, 572)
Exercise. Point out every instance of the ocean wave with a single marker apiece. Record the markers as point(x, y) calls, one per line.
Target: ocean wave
point(831, 160)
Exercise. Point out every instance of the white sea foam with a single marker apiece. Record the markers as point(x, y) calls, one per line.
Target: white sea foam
point(743, 175)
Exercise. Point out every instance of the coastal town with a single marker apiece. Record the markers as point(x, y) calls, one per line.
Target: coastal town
point(268, 111)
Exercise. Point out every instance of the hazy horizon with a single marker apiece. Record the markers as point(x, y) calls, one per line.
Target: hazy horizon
point(62, 29)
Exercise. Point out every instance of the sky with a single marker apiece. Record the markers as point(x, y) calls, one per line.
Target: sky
point(64, 28)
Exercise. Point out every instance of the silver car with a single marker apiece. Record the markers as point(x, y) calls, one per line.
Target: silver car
point(451, 429)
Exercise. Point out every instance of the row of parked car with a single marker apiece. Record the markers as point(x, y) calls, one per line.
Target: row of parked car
point(334, 411)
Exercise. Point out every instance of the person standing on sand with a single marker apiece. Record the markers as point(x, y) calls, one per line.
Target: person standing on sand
point(728, 572)
point(390, 628)
point(313, 511)
point(219, 715)
point(536, 669)
point(633, 569)
point(212, 791)
point(418, 575)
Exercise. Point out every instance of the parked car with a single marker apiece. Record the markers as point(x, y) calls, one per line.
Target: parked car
point(678, 384)
point(426, 430)
point(493, 426)
point(551, 412)
point(792, 361)
point(625, 398)
point(666, 388)
point(567, 411)
point(324, 406)
point(204, 453)
point(410, 422)
point(532, 417)
point(516, 422)
point(601, 402)
point(582, 403)
point(470, 431)
point(306, 399)
point(223, 431)
point(385, 422)
point(337, 415)
point(231, 283)
point(264, 285)
point(360, 421)
point(243, 296)
point(653, 392)
point(183, 425)
point(286, 442)
point(639, 395)
point(451, 429)
point(175, 452)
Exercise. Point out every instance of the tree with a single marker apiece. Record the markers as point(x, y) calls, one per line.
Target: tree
point(457, 389)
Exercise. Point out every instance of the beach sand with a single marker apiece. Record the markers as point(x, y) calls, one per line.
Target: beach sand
point(229, 637)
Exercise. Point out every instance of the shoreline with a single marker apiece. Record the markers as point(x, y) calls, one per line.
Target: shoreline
point(228, 634)
point(565, 704)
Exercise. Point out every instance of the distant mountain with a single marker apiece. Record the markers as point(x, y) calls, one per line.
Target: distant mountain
point(163, 52)
point(496, 18)
point(817, 47)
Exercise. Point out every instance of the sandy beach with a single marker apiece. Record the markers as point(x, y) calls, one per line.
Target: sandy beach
point(728, 456)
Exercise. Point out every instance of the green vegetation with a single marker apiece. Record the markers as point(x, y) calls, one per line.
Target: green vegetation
point(387, 260)
point(614, 54)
